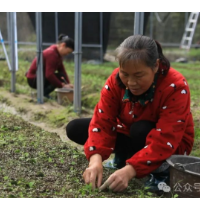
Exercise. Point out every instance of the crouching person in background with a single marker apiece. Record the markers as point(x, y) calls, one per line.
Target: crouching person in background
point(55, 75)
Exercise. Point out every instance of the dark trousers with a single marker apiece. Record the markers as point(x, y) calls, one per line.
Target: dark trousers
point(48, 87)
point(77, 131)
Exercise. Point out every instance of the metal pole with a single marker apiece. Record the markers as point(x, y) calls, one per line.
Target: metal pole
point(77, 60)
point(14, 55)
point(151, 25)
point(186, 18)
point(8, 34)
point(56, 26)
point(40, 83)
point(101, 37)
point(138, 23)
point(15, 40)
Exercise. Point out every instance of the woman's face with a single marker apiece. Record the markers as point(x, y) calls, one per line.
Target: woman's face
point(137, 76)
point(65, 50)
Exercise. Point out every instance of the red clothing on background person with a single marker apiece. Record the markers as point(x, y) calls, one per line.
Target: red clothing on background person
point(170, 109)
point(52, 61)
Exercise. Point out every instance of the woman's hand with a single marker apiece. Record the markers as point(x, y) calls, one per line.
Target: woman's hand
point(94, 172)
point(68, 86)
point(118, 181)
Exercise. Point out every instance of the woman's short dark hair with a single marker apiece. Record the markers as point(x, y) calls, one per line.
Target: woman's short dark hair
point(69, 42)
point(142, 48)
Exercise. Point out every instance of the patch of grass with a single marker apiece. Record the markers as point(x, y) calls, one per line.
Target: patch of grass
point(59, 117)
point(191, 71)
point(39, 116)
point(90, 100)
point(93, 78)
point(5, 100)
point(192, 55)
point(196, 149)
point(22, 110)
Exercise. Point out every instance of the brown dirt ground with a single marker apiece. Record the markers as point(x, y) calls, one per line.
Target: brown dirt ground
point(20, 101)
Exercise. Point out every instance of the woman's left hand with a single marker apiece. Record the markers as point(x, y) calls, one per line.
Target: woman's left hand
point(118, 181)
point(70, 85)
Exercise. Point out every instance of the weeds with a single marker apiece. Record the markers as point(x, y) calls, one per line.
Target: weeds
point(22, 110)
point(4, 100)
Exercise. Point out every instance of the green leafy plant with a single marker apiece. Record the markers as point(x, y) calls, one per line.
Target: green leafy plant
point(31, 184)
point(87, 189)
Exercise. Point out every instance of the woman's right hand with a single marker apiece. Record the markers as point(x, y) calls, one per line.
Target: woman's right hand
point(94, 172)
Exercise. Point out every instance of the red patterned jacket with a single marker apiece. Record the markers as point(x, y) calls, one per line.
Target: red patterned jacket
point(170, 110)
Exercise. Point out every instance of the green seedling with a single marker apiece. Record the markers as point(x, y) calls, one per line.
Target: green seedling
point(31, 184)
point(87, 189)
point(4, 128)
point(16, 128)
point(5, 178)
